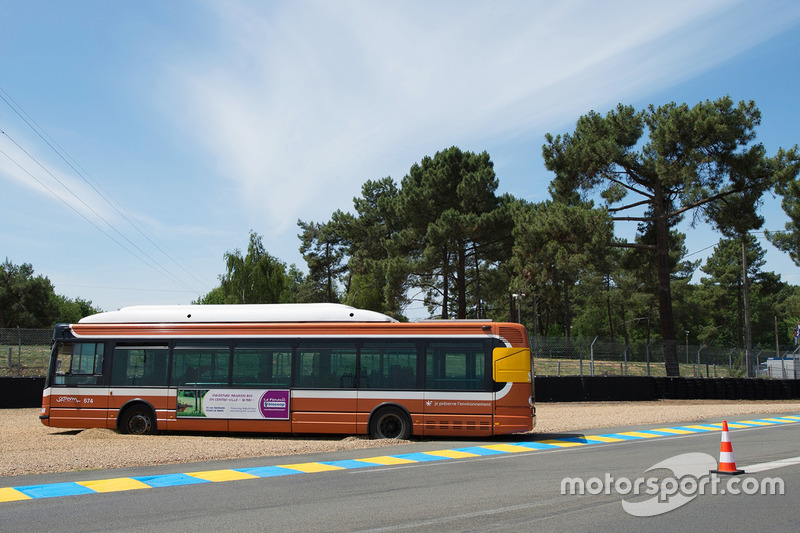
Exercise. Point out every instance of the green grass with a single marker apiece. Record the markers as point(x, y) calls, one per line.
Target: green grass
point(30, 361)
point(572, 367)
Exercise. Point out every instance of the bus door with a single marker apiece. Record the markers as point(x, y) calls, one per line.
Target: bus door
point(78, 396)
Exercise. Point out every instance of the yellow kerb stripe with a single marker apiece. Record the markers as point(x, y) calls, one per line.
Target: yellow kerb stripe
point(638, 434)
point(114, 485)
point(312, 467)
point(387, 460)
point(598, 438)
point(222, 475)
point(508, 448)
point(705, 427)
point(452, 454)
point(12, 495)
point(756, 422)
point(778, 420)
point(562, 443)
point(673, 430)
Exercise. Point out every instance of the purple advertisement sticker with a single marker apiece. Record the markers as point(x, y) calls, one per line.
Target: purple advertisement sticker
point(275, 405)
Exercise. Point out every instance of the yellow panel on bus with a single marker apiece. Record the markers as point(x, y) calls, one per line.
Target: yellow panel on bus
point(511, 365)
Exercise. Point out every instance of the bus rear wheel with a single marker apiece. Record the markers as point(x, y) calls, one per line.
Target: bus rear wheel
point(390, 423)
point(138, 420)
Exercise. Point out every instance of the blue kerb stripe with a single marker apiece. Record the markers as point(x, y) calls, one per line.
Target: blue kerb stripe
point(621, 437)
point(579, 440)
point(55, 490)
point(421, 457)
point(170, 480)
point(268, 471)
point(479, 450)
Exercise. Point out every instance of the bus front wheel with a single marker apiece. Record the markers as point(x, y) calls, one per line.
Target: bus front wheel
point(138, 420)
point(390, 423)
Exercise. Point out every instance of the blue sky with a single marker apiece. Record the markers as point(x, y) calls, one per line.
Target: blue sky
point(200, 121)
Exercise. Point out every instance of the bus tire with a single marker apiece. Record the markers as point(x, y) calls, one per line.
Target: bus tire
point(390, 423)
point(138, 420)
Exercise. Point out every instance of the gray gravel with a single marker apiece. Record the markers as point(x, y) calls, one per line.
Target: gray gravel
point(28, 447)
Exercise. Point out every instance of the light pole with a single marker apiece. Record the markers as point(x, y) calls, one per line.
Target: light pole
point(687, 346)
point(518, 297)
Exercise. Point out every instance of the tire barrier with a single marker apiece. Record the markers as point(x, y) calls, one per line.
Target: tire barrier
point(20, 392)
point(27, 392)
point(642, 388)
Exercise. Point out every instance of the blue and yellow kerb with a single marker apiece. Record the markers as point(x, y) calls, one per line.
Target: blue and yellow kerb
point(55, 490)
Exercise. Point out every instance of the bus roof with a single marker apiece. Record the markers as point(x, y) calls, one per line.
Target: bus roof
point(159, 314)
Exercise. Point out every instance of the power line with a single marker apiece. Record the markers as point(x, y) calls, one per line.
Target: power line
point(83, 174)
point(98, 215)
point(87, 219)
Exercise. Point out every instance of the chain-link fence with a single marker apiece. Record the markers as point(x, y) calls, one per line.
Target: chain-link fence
point(24, 352)
point(554, 356)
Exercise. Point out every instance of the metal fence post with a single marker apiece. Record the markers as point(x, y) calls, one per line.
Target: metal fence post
point(591, 365)
point(19, 352)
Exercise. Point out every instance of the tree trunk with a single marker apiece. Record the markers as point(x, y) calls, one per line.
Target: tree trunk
point(748, 340)
point(445, 284)
point(461, 281)
point(664, 290)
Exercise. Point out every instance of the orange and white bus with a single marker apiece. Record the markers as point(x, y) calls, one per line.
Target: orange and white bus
point(288, 368)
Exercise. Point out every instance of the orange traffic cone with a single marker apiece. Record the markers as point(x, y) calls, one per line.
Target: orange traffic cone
point(726, 463)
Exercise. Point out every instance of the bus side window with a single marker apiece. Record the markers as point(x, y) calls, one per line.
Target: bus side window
point(139, 366)
point(262, 364)
point(200, 364)
point(326, 365)
point(83, 361)
point(456, 365)
point(388, 365)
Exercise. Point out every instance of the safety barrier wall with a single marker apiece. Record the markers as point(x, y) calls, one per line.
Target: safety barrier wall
point(20, 392)
point(643, 388)
point(27, 392)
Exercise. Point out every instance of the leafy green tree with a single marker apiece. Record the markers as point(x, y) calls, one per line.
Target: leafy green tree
point(253, 278)
point(788, 186)
point(453, 220)
point(322, 248)
point(691, 157)
point(377, 280)
point(29, 301)
point(555, 244)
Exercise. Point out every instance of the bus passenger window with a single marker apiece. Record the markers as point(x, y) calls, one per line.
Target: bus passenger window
point(200, 365)
point(260, 365)
point(323, 365)
point(388, 365)
point(139, 365)
point(456, 366)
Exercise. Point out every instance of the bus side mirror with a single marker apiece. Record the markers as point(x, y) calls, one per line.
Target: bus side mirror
point(511, 365)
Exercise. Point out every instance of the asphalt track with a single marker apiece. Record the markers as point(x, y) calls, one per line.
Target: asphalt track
point(499, 484)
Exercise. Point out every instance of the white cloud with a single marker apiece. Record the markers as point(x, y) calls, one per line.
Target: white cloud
point(300, 103)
